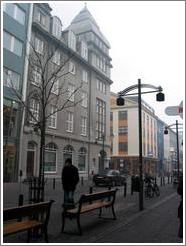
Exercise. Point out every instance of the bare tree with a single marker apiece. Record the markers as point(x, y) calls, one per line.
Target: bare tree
point(47, 91)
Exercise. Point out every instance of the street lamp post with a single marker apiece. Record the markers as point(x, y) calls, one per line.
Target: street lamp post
point(120, 102)
point(177, 143)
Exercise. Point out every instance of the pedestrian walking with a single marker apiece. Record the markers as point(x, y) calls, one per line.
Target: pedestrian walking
point(70, 178)
point(180, 207)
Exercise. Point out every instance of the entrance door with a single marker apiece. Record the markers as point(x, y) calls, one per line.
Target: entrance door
point(30, 163)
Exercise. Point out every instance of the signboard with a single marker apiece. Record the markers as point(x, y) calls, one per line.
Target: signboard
point(175, 110)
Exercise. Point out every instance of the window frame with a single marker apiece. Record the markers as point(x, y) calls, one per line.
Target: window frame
point(56, 57)
point(9, 74)
point(13, 40)
point(53, 151)
point(53, 118)
point(37, 44)
point(15, 14)
point(83, 126)
point(70, 122)
point(35, 111)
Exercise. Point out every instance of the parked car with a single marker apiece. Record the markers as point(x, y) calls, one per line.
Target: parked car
point(109, 177)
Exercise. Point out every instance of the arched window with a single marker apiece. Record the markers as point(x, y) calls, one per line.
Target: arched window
point(68, 152)
point(82, 159)
point(50, 158)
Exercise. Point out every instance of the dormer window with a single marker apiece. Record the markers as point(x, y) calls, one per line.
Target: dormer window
point(41, 18)
point(72, 40)
point(84, 50)
point(56, 27)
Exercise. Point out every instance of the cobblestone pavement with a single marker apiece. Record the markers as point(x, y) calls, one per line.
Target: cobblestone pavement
point(156, 223)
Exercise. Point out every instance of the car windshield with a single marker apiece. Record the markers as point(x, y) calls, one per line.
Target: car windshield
point(106, 172)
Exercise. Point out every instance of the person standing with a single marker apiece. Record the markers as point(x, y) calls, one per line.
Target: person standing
point(70, 178)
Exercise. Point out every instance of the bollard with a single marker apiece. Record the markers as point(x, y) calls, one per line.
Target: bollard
point(131, 186)
point(54, 183)
point(81, 181)
point(109, 188)
point(161, 181)
point(171, 179)
point(20, 203)
point(90, 190)
point(164, 181)
point(155, 180)
point(168, 179)
point(125, 189)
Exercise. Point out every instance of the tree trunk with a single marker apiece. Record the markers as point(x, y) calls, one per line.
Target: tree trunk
point(40, 192)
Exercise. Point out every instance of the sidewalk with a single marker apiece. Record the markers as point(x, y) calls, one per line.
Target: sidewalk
point(156, 223)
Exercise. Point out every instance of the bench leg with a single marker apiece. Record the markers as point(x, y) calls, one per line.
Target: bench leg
point(79, 226)
point(100, 212)
point(28, 236)
point(46, 234)
point(113, 212)
point(63, 222)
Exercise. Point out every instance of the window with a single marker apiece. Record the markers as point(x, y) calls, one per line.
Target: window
point(50, 158)
point(10, 118)
point(101, 86)
point(81, 159)
point(123, 146)
point(84, 99)
point(34, 108)
point(68, 152)
point(41, 18)
point(39, 45)
point(11, 79)
point(72, 40)
point(55, 87)
point(72, 68)
point(57, 27)
point(53, 117)
point(70, 122)
point(100, 117)
point(84, 50)
point(83, 126)
point(122, 115)
point(71, 89)
point(123, 130)
point(56, 57)
point(84, 76)
point(36, 76)
point(12, 44)
point(15, 12)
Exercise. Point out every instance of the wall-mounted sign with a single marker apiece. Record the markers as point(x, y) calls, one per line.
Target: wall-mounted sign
point(175, 110)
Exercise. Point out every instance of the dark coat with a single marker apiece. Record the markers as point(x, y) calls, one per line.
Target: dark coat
point(70, 177)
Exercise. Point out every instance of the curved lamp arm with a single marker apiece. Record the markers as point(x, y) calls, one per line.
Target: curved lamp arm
point(130, 88)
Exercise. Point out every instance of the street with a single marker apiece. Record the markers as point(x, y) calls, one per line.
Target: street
point(157, 223)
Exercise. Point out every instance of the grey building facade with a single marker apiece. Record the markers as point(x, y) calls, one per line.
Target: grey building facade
point(15, 28)
point(82, 131)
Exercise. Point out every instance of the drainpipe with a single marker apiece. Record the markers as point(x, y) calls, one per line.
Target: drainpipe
point(24, 86)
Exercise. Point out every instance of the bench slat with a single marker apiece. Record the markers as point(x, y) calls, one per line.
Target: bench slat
point(89, 207)
point(15, 227)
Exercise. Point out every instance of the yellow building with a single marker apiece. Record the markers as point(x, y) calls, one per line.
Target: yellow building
point(124, 138)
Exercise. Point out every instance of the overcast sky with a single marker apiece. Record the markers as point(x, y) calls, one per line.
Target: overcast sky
point(147, 41)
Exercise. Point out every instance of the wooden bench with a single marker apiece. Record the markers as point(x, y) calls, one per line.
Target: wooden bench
point(88, 203)
point(27, 218)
